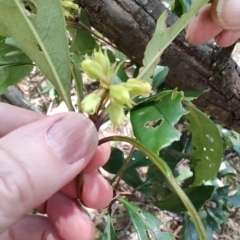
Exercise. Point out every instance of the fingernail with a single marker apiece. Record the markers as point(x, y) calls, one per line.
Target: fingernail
point(216, 39)
point(73, 137)
point(187, 30)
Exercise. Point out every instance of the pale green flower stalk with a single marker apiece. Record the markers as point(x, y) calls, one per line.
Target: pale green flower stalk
point(114, 96)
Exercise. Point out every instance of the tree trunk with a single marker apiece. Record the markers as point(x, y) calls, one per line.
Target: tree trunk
point(130, 25)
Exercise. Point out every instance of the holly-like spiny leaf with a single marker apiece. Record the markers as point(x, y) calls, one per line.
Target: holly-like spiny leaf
point(153, 121)
point(208, 150)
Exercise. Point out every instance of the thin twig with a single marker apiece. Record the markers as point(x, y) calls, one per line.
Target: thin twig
point(125, 166)
point(80, 25)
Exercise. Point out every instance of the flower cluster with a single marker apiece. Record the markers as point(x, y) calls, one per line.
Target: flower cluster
point(68, 7)
point(99, 67)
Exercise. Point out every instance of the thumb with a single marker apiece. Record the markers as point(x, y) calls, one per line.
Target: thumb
point(40, 158)
point(226, 14)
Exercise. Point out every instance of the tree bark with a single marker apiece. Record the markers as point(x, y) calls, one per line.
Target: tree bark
point(130, 25)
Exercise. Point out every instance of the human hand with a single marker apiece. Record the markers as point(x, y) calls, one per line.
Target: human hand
point(40, 157)
point(219, 20)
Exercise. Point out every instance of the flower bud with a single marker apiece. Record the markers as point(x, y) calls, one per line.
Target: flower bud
point(116, 114)
point(91, 103)
point(120, 94)
point(103, 60)
point(92, 68)
point(66, 13)
point(70, 5)
point(137, 86)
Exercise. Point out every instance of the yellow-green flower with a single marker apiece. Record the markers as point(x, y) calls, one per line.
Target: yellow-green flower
point(99, 67)
point(92, 68)
point(137, 86)
point(120, 94)
point(116, 114)
point(92, 101)
point(103, 60)
point(69, 5)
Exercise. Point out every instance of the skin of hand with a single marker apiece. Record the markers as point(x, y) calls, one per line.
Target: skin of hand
point(219, 20)
point(40, 157)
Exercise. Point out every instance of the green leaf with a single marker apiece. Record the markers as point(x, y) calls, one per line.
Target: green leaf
point(82, 39)
point(235, 145)
point(130, 176)
point(146, 225)
point(14, 65)
point(211, 225)
point(155, 47)
point(77, 76)
point(159, 76)
point(188, 4)
point(156, 175)
point(220, 193)
point(226, 169)
point(133, 179)
point(41, 34)
point(179, 8)
point(234, 200)
point(189, 231)
point(153, 121)
point(206, 139)
point(171, 157)
point(3, 32)
point(191, 95)
point(115, 162)
point(182, 174)
point(109, 233)
point(137, 160)
point(12, 75)
point(219, 214)
point(174, 204)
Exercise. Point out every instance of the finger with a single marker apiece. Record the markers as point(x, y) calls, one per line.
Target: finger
point(40, 158)
point(14, 117)
point(202, 28)
point(69, 219)
point(100, 157)
point(226, 14)
point(31, 227)
point(96, 191)
point(227, 38)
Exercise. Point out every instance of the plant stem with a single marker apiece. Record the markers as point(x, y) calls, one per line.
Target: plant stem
point(168, 174)
point(125, 166)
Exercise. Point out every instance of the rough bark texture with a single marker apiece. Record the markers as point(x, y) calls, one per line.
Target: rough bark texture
point(16, 98)
point(130, 25)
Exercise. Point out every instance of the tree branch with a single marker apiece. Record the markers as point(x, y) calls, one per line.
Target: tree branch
point(130, 25)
